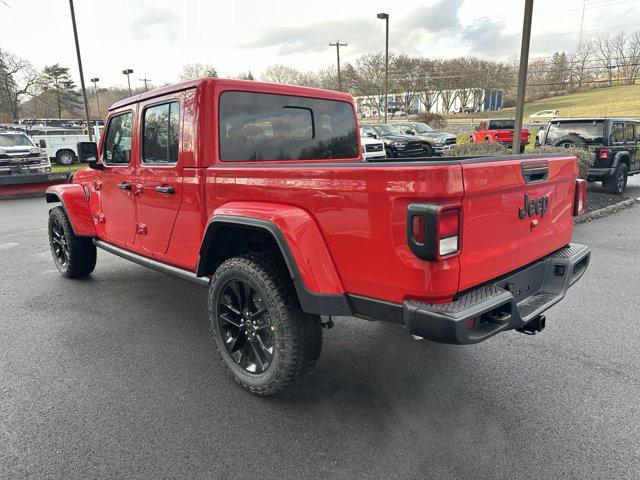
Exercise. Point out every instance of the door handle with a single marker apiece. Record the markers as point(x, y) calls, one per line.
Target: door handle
point(124, 186)
point(165, 189)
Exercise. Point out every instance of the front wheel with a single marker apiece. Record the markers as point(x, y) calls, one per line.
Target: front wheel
point(427, 150)
point(74, 257)
point(264, 338)
point(617, 183)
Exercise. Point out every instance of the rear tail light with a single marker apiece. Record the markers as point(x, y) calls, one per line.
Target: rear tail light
point(604, 154)
point(580, 202)
point(434, 230)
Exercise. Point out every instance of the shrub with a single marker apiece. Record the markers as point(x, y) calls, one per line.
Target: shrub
point(477, 150)
point(585, 157)
point(434, 120)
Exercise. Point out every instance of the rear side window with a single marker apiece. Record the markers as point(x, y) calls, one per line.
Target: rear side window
point(117, 146)
point(160, 134)
point(631, 134)
point(260, 126)
point(617, 133)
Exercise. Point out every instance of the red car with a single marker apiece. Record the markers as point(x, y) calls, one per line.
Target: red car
point(499, 130)
point(259, 192)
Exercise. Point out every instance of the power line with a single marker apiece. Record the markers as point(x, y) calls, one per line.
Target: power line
point(338, 45)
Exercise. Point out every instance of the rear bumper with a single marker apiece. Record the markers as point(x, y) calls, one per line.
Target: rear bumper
point(600, 173)
point(505, 303)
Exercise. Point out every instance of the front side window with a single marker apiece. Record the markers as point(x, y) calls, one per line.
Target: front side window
point(117, 145)
point(261, 126)
point(386, 129)
point(422, 128)
point(160, 134)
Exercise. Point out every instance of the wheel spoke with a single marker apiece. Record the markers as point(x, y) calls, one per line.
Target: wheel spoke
point(256, 354)
point(262, 345)
point(235, 288)
point(226, 302)
point(235, 322)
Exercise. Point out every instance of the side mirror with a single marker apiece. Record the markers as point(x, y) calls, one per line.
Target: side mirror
point(42, 143)
point(88, 153)
point(409, 132)
point(371, 135)
point(477, 128)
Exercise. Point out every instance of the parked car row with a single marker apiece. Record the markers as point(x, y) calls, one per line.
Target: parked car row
point(408, 139)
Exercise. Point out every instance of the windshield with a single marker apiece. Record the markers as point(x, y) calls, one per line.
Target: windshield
point(386, 129)
point(15, 140)
point(592, 132)
point(422, 128)
point(502, 124)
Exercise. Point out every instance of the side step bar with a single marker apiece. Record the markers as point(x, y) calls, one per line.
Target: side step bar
point(153, 264)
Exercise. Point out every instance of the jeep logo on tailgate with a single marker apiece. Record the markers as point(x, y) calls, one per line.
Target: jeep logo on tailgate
point(534, 206)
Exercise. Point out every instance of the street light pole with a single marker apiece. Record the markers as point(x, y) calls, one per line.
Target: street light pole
point(338, 45)
point(385, 17)
point(95, 81)
point(84, 91)
point(522, 75)
point(127, 72)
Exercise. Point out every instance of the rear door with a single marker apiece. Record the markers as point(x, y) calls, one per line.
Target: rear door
point(159, 175)
point(514, 212)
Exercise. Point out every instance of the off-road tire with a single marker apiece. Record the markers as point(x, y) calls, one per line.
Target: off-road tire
point(65, 158)
point(298, 335)
point(427, 150)
point(79, 252)
point(617, 182)
point(567, 141)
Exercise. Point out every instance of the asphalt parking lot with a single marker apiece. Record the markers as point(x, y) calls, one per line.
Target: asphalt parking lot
point(117, 376)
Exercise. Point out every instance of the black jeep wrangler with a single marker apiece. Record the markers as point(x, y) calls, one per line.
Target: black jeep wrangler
point(615, 143)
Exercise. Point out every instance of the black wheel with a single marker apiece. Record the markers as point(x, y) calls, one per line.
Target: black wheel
point(65, 158)
point(618, 181)
point(427, 150)
point(75, 257)
point(261, 333)
point(570, 141)
point(522, 147)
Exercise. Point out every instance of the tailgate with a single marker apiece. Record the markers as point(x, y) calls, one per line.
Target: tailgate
point(500, 231)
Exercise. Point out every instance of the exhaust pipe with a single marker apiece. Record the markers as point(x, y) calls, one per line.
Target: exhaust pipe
point(534, 326)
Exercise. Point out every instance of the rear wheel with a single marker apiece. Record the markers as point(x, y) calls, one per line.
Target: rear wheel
point(264, 338)
point(74, 257)
point(65, 158)
point(617, 183)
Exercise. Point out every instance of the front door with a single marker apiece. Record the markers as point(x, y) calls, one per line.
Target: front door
point(114, 184)
point(159, 177)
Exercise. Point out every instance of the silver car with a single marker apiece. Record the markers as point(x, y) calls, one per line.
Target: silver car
point(19, 155)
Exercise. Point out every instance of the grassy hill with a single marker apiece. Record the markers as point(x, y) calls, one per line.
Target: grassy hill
point(621, 101)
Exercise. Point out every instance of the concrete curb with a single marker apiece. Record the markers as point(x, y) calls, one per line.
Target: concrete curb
point(606, 211)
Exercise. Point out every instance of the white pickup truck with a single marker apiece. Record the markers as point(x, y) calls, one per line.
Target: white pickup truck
point(62, 146)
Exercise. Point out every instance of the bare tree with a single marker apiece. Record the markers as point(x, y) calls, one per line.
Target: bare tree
point(605, 52)
point(193, 71)
point(581, 60)
point(279, 73)
point(17, 78)
point(365, 78)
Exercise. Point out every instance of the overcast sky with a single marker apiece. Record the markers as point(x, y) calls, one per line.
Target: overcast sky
point(157, 37)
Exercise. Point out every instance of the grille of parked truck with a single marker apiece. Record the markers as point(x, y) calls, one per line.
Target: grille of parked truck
point(259, 192)
point(18, 155)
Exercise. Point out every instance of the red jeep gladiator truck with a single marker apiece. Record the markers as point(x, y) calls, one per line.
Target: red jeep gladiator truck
point(259, 192)
point(499, 130)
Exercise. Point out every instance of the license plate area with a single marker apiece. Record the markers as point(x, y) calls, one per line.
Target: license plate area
point(524, 283)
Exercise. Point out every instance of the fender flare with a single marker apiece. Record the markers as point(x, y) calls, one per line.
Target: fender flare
point(618, 158)
point(76, 205)
point(314, 275)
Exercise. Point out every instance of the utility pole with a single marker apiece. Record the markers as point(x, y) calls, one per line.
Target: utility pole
point(127, 72)
point(145, 80)
point(385, 16)
point(84, 91)
point(338, 45)
point(522, 74)
point(95, 81)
